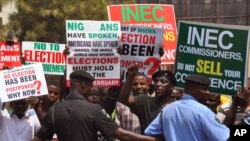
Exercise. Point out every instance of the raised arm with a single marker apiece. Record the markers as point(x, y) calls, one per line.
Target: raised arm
point(242, 100)
point(125, 97)
point(35, 104)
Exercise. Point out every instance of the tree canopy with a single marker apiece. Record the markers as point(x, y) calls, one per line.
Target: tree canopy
point(44, 20)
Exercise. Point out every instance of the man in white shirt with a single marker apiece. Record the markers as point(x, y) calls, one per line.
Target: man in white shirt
point(21, 124)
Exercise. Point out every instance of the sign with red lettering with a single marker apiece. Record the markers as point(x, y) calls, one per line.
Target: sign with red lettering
point(9, 54)
point(22, 82)
point(93, 48)
point(49, 54)
point(140, 45)
point(150, 15)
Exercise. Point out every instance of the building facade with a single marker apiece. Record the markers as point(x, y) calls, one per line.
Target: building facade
point(236, 12)
point(6, 9)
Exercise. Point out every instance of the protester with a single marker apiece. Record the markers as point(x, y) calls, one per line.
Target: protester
point(77, 119)
point(212, 101)
point(19, 125)
point(140, 84)
point(6, 105)
point(126, 119)
point(53, 95)
point(118, 112)
point(43, 103)
point(188, 119)
point(234, 111)
point(110, 96)
point(144, 106)
point(95, 95)
point(246, 119)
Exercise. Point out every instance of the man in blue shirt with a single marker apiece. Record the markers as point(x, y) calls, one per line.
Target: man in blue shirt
point(188, 119)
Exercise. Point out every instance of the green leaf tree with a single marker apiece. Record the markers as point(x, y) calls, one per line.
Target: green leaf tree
point(44, 20)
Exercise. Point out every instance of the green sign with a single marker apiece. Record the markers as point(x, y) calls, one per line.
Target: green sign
point(214, 50)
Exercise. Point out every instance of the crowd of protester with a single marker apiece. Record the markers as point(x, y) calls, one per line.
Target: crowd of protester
point(128, 112)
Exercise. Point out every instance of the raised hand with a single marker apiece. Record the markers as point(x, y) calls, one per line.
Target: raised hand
point(34, 101)
point(66, 51)
point(132, 70)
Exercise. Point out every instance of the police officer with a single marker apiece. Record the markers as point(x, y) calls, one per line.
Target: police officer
point(76, 119)
point(188, 119)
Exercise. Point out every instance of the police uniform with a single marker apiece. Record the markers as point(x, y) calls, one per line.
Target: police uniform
point(76, 119)
point(189, 120)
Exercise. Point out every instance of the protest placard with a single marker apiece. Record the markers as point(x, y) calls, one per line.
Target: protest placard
point(150, 15)
point(9, 54)
point(49, 54)
point(140, 45)
point(93, 46)
point(217, 51)
point(22, 82)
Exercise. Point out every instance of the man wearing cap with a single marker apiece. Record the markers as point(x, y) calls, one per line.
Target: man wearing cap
point(144, 106)
point(189, 119)
point(76, 119)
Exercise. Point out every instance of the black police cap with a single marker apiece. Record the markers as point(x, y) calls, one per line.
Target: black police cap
point(168, 74)
point(199, 79)
point(81, 75)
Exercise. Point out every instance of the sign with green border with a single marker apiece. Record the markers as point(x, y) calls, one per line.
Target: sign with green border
point(214, 50)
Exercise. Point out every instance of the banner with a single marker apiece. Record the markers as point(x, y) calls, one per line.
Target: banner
point(140, 45)
point(93, 46)
point(22, 82)
point(49, 54)
point(217, 51)
point(150, 15)
point(9, 54)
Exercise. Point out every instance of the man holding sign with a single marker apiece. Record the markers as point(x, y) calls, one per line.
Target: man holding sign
point(16, 85)
point(20, 124)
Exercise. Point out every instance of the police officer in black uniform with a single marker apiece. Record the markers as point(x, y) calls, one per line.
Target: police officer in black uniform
point(76, 119)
